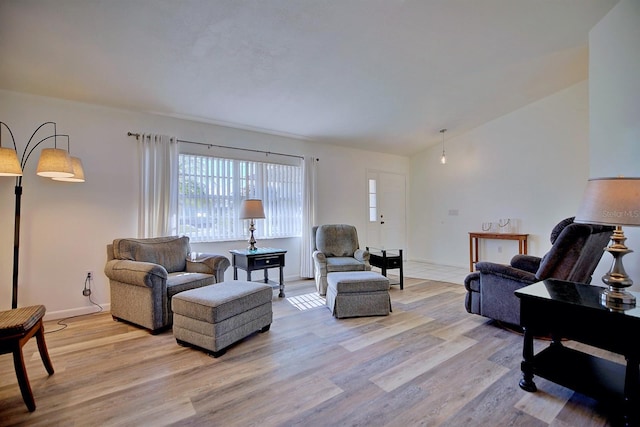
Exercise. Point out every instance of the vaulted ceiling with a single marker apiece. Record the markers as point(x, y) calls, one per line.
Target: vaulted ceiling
point(382, 75)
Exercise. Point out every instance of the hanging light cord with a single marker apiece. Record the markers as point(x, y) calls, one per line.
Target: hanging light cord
point(443, 160)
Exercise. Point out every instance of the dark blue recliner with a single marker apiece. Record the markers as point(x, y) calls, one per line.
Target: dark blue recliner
point(576, 251)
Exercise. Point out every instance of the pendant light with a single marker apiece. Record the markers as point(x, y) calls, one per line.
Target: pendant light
point(443, 159)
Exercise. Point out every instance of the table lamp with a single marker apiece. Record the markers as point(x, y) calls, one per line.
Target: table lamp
point(251, 209)
point(613, 201)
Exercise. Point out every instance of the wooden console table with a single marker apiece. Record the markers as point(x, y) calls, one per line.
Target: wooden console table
point(573, 311)
point(475, 236)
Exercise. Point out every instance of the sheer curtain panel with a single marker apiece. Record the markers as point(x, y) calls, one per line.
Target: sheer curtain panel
point(308, 216)
point(158, 185)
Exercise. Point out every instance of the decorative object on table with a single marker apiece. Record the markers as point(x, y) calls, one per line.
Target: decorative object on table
point(54, 163)
point(613, 201)
point(505, 225)
point(251, 209)
point(443, 159)
point(490, 227)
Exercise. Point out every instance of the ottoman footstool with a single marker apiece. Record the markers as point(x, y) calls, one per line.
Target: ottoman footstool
point(214, 317)
point(358, 293)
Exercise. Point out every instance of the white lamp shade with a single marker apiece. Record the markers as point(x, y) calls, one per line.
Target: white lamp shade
point(251, 209)
point(54, 163)
point(78, 172)
point(9, 164)
point(611, 201)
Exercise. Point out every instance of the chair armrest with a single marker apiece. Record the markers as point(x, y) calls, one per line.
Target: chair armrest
point(528, 263)
point(319, 257)
point(320, 264)
point(471, 282)
point(209, 264)
point(136, 272)
point(507, 272)
point(362, 255)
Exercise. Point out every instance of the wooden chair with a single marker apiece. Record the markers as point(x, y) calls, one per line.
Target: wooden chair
point(17, 326)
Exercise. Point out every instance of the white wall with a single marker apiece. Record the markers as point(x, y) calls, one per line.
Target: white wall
point(65, 227)
point(614, 90)
point(531, 164)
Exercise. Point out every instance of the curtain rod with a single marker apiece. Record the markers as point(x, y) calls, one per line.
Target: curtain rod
point(137, 135)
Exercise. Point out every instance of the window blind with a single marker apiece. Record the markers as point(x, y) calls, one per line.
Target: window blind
point(212, 188)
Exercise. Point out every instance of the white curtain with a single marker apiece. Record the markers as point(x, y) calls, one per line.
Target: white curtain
point(308, 216)
point(158, 208)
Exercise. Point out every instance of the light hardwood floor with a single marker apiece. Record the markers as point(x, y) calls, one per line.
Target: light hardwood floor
point(429, 363)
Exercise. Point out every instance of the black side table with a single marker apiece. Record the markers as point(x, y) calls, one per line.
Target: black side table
point(573, 311)
point(387, 259)
point(260, 259)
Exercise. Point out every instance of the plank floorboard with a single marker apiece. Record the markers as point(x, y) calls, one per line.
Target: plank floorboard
point(429, 363)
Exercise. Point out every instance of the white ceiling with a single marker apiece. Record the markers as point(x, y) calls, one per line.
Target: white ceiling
point(382, 75)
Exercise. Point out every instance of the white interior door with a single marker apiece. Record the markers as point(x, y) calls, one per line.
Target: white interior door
point(387, 210)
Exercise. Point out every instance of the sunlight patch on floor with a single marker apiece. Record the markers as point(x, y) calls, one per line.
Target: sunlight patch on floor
point(307, 301)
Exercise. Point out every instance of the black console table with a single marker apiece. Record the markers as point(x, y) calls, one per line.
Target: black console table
point(567, 310)
point(259, 259)
point(387, 259)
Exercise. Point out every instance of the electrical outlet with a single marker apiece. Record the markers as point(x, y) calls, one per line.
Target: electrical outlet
point(87, 283)
point(499, 249)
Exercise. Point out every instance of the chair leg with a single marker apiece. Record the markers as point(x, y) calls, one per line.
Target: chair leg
point(23, 380)
point(42, 347)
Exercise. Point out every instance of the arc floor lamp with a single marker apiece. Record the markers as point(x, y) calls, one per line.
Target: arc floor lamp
point(54, 163)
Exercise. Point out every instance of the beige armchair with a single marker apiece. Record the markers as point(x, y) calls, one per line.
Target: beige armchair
point(335, 249)
point(144, 274)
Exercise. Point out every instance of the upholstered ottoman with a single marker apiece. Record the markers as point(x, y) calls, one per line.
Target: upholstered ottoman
point(358, 293)
point(216, 316)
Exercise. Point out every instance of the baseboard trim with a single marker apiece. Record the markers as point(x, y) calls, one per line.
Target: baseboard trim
point(430, 261)
point(80, 311)
point(73, 312)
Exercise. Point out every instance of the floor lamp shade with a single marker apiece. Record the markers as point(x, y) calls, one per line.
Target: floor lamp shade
point(55, 163)
point(9, 163)
point(78, 172)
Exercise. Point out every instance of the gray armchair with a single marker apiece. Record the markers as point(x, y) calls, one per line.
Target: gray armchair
point(144, 274)
point(575, 253)
point(336, 248)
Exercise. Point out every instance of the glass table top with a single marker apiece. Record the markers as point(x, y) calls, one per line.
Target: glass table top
point(388, 251)
point(574, 293)
point(257, 251)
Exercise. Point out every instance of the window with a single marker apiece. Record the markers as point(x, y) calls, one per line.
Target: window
point(211, 190)
point(373, 201)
